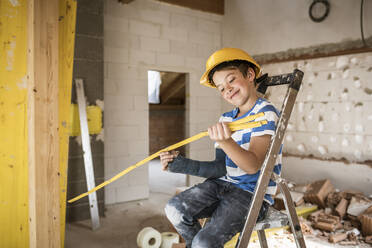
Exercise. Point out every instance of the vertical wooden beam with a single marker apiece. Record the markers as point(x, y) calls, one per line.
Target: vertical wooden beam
point(43, 136)
point(14, 229)
point(67, 21)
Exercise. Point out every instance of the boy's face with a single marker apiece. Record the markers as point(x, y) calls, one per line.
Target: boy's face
point(234, 87)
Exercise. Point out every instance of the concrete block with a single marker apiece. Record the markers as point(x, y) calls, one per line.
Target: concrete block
point(141, 103)
point(205, 50)
point(208, 103)
point(110, 167)
point(116, 149)
point(195, 63)
point(173, 33)
point(119, 103)
point(310, 118)
point(333, 144)
point(155, 44)
point(113, 23)
point(89, 24)
point(143, 130)
point(122, 133)
point(110, 195)
point(205, 116)
point(367, 148)
point(155, 16)
point(121, 71)
point(133, 87)
point(144, 28)
point(205, 25)
point(111, 87)
point(184, 48)
point(92, 7)
point(116, 55)
point(132, 193)
point(139, 176)
point(92, 74)
point(200, 37)
point(121, 40)
point(128, 117)
point(88, 48)
point(183, 21)
point(170, 59)
point(141, 57)
point(138, 147)
point(76, 172)
point(78, 187)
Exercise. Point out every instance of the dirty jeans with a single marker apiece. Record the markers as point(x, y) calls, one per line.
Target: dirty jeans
point(225, 204)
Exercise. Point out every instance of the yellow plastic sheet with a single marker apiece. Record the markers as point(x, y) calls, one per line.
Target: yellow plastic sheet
point(240, 124)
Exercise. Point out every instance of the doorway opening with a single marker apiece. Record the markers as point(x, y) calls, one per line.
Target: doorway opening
point(167, 125)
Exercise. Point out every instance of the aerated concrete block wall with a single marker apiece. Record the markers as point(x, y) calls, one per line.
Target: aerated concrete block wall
point(148, 35)
point(330, 131)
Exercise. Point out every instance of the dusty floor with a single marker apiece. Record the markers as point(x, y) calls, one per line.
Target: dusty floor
point(120, 226)
point(123, 222)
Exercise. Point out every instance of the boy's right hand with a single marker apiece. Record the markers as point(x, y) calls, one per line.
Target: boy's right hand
point(167, 157)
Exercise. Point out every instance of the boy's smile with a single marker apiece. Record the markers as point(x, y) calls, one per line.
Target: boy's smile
point(235, 88)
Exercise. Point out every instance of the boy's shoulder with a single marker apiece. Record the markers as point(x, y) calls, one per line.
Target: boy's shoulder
point(261, 105)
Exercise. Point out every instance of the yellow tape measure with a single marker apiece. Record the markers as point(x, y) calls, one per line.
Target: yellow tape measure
point(240, 124)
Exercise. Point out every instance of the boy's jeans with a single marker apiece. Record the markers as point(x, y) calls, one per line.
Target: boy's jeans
point(226, 204)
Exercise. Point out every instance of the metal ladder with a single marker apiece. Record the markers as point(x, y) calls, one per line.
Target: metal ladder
point(294, 81)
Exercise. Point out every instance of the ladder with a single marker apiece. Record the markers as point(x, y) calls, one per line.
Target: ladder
point(294, 81)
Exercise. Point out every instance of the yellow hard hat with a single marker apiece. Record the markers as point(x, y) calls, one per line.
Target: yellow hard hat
point(223, 55)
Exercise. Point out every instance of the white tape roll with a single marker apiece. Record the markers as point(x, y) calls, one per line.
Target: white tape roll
point(169, 238)
point(148, 237)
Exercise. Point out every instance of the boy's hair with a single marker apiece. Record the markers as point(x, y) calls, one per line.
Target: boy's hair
point(241, 65)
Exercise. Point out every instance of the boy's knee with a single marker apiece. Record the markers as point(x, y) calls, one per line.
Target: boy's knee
point(173, 212)
point(202, 241)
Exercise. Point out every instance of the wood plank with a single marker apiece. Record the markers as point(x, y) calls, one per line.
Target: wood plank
point(43, 124)
point(14, 228)
point(67, 22)
point(212, 6)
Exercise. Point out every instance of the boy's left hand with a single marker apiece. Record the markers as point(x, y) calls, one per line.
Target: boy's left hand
point(219, 132)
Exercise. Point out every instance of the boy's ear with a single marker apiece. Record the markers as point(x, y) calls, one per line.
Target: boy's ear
point(251, 73)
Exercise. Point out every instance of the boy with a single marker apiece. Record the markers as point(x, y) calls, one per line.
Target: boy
point(226, 195)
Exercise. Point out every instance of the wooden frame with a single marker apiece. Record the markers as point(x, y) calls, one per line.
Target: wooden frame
point(44, 201)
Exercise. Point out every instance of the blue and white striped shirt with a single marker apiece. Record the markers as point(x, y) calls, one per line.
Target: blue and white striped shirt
point(238, 176)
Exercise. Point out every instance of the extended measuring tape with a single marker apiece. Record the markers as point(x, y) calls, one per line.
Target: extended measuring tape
point(240, 124)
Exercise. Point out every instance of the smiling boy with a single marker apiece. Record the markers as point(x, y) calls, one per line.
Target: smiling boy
point(226, 195)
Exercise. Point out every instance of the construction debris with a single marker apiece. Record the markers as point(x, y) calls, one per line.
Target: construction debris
point(358, 205)
point(318, 192)
point(343, 217)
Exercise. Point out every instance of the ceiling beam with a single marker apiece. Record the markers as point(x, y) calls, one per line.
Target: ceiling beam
point(212, 6)
point(172, 89)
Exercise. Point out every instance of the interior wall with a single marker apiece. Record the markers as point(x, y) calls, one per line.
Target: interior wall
point(329, 134)
point(330, 131)
point(149, 35)
point(272, 26)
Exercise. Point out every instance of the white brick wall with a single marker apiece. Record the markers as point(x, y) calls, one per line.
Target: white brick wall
point(333, 114)
point(144, 35)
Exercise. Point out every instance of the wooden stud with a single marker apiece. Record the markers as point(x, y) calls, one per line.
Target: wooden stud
point(44, 212)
